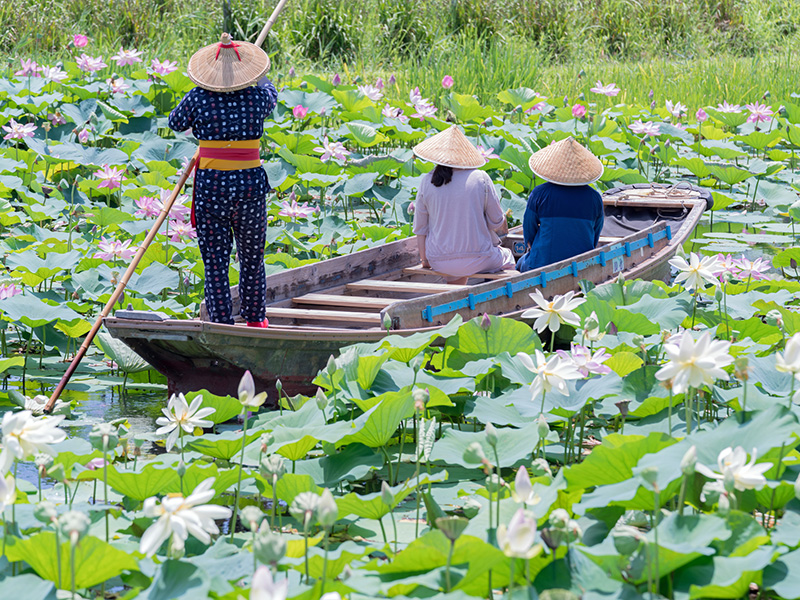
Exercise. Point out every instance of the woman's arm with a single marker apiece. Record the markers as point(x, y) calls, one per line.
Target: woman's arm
point(266, 86)
point(530, 222)
point(423, 257)
point(495, 218)
point(180, 119)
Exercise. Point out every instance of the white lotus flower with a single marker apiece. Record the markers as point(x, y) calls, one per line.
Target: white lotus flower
point(425, 439)
point(8, 492)
point(550, 374)
point(25, 436)
point(733, 463)
point(179, 414)
point(247, 392)
point(550, 314)
point(697, 272)
point(523, 489)
point(518, 539)
point(264, 587)
point(37, 403)
point(695, 362)
point(591, 328)
point(179, 517)
point(788, 361)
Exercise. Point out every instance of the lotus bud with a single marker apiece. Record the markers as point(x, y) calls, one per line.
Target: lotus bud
point(387, 322)
point(278, 386)
point(540, 467)
point(392, 79)
point(741, 368)
point(566, 100)
point(485, 322)
point(304, 508)
point(656, 149)
point(416, 363)
point(474, 455)
point(542, 428)
point(689, 462)
point(357, 79)
point(103, 437)
point(622, 405)
point(494, 483)
point(638, 340)
point(766, 95)
point(452, 527)
point(612, 328)
point(723, 505)
point(491, 435)
point(667, 144)
point(650, 476)
point(472, 507)
point(291, 72)
point(517, 109)
point(559, 518)
point(321, 399)
point(651, 94)
point(387, 497)
point(582, 97)
point(45, 512)
point(252, 516)
point(266, 439)
point(574, 531)
point(269, 547)
point(421, 397)
point(775, 318)
point(74, 525)
point(523, 489)
point(181, 470)
point(272, 468)
point(488, 122)
point(552, 537)
point(331, 366)
point(719, 295)
point(581, 74)
point(653, 105)
point(327, 511)
point(336, 79)
point(411, 208)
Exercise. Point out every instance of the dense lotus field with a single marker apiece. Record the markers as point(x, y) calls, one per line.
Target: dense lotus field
point(652, 454)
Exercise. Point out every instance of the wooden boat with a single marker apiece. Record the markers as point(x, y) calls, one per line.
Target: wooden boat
point(315, 310)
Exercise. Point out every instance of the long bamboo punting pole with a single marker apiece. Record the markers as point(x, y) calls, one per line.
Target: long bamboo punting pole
point(142, 249)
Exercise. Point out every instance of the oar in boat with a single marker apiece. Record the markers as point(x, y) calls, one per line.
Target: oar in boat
point(142, 249)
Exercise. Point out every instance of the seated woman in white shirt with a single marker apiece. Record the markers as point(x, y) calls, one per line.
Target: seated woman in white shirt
point(457, 213)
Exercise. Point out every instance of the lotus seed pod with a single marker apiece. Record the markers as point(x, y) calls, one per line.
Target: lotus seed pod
point(559, 518)
point(622, 405)
point(452, 527)
point(471, 508)
point(719, 295)
point(252, 515)
point(266, 440)
point(491, 435)
point(43, 462)
point(421, 397)
point(387, 497)
point(45, 512)
point(775, 318)
point(272, 468)
point(327, 510)
point(73, 525)
point(574, 530)
point(103, 437)
point(269, 547)
point(689, 462)
point(473, 454)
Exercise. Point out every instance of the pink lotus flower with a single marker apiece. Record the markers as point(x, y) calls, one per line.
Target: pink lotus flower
point(424, 110)
point(163, 68)
point(729, 108)
point(725, 264)
point(752, 269)
point(447, 82)
point(487, 153)
point(79, 40)
point(18, 131)
point(609, 90)
point(90, 63)
point(379, 83)
point(759, 113)
point(332, 149)
point(96, 463)
point(148, 207)
point(392, 79)
point(585, 361)
point(54, 74)
point(296, 211)
point(114, 249)
point(415, 97)
point(56, 119)
point(127, 57)
point(394, 113)
point(117, 85)
point(8, 290)
point(179, 210)
point(29, 68)
point(299, 112)
point(291, 73)
point(370, 92)
point(110, 177)
point(83, 135)
point(411, 208)
point(578, 111)
point(336, 80)
point(676, 110)
point(701, 115)
point(181, 230)
point(647, 129)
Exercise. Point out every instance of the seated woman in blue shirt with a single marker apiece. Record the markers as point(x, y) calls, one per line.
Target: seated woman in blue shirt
point(564, 216)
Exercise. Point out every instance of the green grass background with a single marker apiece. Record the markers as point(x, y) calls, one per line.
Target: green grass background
point(694, 51)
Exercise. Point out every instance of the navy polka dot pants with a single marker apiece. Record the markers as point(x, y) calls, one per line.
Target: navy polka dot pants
point(219, 221)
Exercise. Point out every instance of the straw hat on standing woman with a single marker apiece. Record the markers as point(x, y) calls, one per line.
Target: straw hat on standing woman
point(457, 212)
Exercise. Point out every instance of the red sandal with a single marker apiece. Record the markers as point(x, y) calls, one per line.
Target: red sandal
point(263, 324)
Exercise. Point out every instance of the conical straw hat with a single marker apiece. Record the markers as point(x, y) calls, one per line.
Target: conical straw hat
point(450, 148)
point(566, 163)
point(228, 66)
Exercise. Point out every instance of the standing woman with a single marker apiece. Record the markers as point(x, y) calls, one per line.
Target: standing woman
point(457, 211)
point(564, 216)
point(226, 114)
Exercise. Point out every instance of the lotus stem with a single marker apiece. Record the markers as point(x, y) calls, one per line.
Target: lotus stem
point(687, 400)
point(305, 547)
point(669, 413)
point(239, 481)
point(544, 393)
point(511, 580)
point(274, 501)
point(657, 502)
point(105, 485)
point(777, 476)
point(694, 306)
point(72, 567)
point(394, 529)
point(58, 554)
point(383, 531)
point(447, 568)
point(325, 562)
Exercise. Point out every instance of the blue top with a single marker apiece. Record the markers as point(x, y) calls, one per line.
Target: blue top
point(235, 115)
point(560, 221)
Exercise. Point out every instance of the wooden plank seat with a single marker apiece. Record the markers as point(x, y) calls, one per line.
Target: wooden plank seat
point(361, 318)
point(414, 287)
point(363, 302)
point(420, 270)
point(608, 239)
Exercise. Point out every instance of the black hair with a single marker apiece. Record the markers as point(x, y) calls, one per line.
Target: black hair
point(441, 175)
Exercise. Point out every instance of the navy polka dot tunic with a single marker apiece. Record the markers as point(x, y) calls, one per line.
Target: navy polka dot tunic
point(230, 204)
